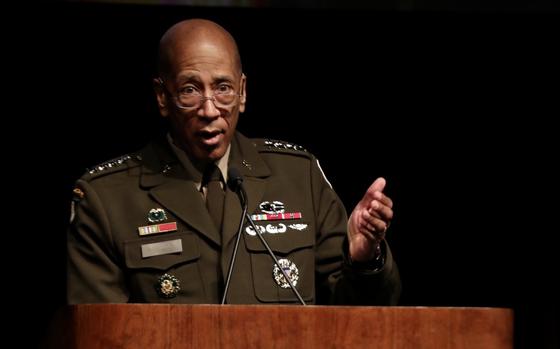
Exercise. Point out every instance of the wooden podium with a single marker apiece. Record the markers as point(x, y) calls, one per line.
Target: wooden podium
point(259, 326)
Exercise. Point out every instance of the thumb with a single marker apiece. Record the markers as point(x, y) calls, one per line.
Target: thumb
point(377, 185)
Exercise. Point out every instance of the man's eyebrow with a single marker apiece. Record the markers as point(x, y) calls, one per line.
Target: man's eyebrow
point(195, 77)
point(222, 78)
point(188, 77)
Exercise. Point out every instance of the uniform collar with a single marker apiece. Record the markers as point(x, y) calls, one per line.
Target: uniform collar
point(245, 157)
point(160, 162)
point(189, 166)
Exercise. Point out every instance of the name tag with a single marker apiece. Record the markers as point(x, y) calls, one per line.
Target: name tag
point(160, 248)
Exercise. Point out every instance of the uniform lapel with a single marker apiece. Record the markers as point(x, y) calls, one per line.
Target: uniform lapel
point(182, 198)
point(172, 187)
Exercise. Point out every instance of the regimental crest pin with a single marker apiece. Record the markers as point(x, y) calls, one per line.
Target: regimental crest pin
point(156, 215)
point(168, 286)
point(291, 270)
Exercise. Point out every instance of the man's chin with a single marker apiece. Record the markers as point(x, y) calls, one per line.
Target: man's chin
point(211, 153)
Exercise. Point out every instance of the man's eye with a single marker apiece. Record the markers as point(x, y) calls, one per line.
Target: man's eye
point(189, 90)
point(224, 89)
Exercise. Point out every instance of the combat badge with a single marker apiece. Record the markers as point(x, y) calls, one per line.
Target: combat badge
point(272, 207)
point(168, 286)
point(291, 270)
point(156, 215)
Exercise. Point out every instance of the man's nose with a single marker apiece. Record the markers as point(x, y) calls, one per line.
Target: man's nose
point(208, 108)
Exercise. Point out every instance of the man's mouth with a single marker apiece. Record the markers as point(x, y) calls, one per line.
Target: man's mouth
point(211, 137)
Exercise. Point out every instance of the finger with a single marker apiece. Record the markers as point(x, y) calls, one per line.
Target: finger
point(374, 225)
point(367, 225)
point(384, 199)
point(378, 210)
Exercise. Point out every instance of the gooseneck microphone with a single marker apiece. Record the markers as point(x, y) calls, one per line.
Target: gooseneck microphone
point(235, 182)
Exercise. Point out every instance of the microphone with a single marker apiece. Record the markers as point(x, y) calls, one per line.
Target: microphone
point(235, 182)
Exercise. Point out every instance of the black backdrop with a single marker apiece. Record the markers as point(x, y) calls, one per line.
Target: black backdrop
point(455, 108)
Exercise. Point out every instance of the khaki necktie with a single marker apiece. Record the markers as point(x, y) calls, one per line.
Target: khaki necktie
point(215, 195)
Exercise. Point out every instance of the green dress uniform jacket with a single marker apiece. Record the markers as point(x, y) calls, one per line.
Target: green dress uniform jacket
point(110, 262)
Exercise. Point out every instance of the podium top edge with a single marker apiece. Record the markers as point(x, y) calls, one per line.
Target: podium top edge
point(268, 306)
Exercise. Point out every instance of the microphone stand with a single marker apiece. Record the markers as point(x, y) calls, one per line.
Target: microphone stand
point(234, 255)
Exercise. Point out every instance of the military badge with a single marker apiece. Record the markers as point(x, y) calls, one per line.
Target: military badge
point(249, 230)
point(276, 216)
point(291, 270)
point(273, 143)
point(299, 227)
point(276, 229)
point(109, 164)
point(247, 164)
point(166, 169)
point(272, 207)
point(156, 215)
point(157, 228)
point(168, 286)
point(78, 194)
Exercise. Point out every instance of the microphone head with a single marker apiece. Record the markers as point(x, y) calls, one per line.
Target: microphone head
point(235, 179)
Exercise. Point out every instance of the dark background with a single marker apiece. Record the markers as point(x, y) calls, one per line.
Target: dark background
point(454, 106)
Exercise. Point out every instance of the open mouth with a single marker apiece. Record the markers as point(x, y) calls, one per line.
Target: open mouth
point(211, 137)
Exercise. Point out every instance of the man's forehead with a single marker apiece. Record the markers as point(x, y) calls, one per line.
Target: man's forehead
point(216, 76)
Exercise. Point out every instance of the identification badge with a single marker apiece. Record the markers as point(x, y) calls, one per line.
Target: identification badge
point(161, 248)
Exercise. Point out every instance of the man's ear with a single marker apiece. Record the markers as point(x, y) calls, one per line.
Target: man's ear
point(161, 96)
point(243, 93)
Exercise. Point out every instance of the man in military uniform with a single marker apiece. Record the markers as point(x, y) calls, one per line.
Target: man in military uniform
point(151, 226)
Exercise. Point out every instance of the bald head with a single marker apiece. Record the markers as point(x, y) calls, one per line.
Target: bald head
point(193, 34)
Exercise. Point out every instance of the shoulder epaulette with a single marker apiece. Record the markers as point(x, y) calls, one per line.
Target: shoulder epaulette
point(113, 164)
point(273, 144)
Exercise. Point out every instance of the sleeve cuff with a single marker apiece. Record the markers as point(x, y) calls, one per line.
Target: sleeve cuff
point(372, 266)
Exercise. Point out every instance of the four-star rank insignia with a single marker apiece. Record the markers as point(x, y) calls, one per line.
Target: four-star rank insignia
point(168, 286)
point(291, 270)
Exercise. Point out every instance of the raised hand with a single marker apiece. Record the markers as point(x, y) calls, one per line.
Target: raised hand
point(369, 221)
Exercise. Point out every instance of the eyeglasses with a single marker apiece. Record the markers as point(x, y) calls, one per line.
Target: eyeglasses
point(191, 98)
